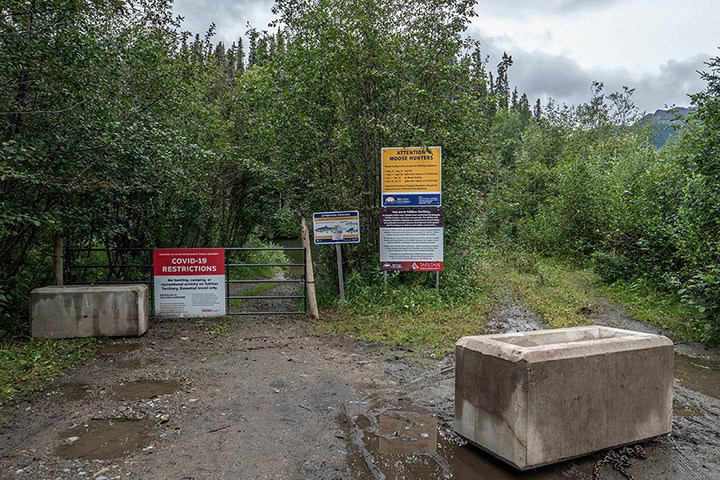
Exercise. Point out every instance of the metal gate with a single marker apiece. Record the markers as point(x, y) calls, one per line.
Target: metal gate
point(104, 266)
point(229, 282)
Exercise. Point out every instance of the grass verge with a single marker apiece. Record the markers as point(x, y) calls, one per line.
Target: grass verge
point(645, 302)
point(407, 316)
point(562, 294)
point(27, 365)
point(559, 294)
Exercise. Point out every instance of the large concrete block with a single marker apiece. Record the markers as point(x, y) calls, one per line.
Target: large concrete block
point(535, 398)
point(89, 311)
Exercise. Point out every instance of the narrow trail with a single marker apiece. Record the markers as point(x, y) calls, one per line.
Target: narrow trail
point(273, 397)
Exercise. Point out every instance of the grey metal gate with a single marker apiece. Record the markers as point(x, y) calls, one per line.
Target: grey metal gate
point(104, 266)
point(230, 295)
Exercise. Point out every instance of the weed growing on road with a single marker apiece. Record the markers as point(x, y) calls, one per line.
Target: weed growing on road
point(647, 303)
point(220, 327)
point(27, 365)
point(554, 291)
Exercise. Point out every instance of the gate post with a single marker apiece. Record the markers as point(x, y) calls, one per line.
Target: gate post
point(309, 274)
point(58, 261)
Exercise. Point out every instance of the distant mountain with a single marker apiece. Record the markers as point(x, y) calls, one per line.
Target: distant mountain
point(665, 124)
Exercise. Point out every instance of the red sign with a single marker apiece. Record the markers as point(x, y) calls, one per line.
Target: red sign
point(189, 261)
point(412, 266)
point(189, 282)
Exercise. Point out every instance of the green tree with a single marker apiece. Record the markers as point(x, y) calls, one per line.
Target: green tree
point(113, 133)
point(354, 77)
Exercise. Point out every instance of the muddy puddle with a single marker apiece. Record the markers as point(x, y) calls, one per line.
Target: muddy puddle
point(698, 374)
point(683, 410)
point(402, 444)
point(117, 348)
point(295, 256)
point(103, 439)
point(73, 391)
point(145, 389)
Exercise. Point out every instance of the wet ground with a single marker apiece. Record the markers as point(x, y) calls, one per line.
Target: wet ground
point(274, 398)
point(698, 374)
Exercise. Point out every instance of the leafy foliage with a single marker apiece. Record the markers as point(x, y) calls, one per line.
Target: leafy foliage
point(118, 130)
point(114, 134)
point(585, 183)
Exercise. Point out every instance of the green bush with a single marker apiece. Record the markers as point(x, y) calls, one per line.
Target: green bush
point(703, 292)
point(611, 266)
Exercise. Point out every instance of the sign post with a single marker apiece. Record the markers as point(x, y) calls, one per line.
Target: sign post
point(337, 228)
point(341, 279)
point(189, 282)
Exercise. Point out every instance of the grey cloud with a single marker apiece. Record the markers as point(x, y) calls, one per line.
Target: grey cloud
point(544, 76)
point(541, 75)
point(514, 7)
point(229, 16)
point(538, 74)
point(677, 79)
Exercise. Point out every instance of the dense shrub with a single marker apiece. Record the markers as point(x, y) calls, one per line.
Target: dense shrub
point(586, 185)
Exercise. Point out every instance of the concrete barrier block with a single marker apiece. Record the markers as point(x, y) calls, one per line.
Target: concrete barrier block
point(535, 398)
point(89, 311)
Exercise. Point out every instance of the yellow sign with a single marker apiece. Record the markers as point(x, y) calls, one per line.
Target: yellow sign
point(411, 176)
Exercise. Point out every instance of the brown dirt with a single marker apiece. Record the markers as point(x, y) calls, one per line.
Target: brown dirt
point(275, 398)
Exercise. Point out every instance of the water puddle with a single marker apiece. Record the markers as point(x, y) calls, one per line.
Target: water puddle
point(117, 348)
point(407, 434)
point(145, 389)
point(682, 410)
point(73, 391)
point(409, 444)
point(698, 374)
point(510, 317)
point(103, 439)
point(134, 363)
point(469, 463)
point(295, 256)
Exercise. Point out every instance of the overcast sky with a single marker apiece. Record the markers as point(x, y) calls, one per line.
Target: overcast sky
point(558, 46)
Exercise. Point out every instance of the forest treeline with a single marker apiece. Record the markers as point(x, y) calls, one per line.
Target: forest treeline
point(119, 130)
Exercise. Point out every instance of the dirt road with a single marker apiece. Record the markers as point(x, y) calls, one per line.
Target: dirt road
point(272, 397)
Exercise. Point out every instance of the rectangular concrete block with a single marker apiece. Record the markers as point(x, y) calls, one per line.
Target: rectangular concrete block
point(535, 398)
point(89, 311)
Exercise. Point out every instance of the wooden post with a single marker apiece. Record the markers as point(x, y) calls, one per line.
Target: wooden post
point(309, 274)
point(58, 261)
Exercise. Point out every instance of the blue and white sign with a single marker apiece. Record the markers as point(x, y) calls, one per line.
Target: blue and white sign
point(411, 200)
point(336, 227)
